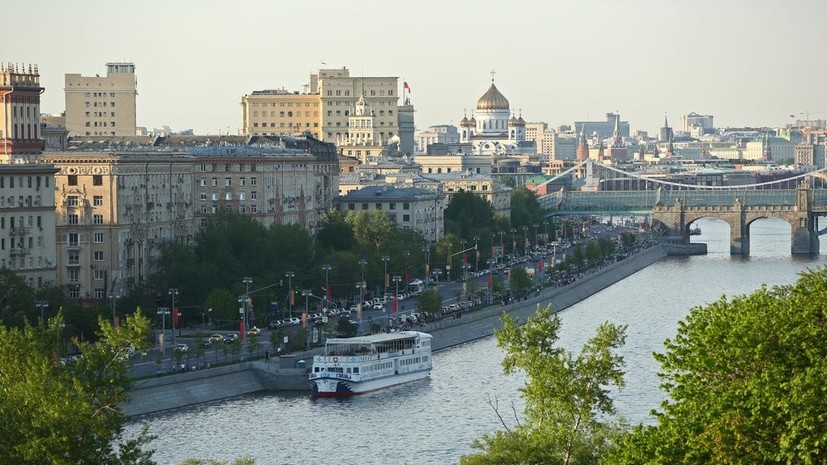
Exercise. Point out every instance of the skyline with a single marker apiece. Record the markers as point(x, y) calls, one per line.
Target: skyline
point(745, 63)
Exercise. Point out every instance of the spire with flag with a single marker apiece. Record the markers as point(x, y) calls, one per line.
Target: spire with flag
point(406, 87)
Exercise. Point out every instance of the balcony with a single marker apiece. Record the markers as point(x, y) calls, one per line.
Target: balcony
point(18, 251)
point(20, 231)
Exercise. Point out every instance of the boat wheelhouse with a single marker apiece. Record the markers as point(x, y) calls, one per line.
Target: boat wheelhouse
point(358, 365)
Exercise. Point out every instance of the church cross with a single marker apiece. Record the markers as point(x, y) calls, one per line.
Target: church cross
point(492, 75)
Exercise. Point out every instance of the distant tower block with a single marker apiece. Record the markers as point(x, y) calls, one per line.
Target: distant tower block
point(20, 91)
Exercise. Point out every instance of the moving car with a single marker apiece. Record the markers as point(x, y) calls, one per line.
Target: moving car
point(216, 338)
point(181, 348)
point(254, 331)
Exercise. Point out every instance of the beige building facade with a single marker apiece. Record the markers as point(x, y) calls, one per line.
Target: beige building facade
point(273, 112)
point(407, 207)
point(323, 107)
point(436, 164)
point(498, 195)
point(20, 91)
point(102, 106)
point(27, 222)
point(113, 211)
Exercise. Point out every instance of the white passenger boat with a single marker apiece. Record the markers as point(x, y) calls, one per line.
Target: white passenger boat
point(358, 365)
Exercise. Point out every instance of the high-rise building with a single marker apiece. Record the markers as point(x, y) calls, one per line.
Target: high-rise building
point(439, 134)
point(603, 129)
point(27, 222)
point(698, 125)
point(102, 106)
point(19, 111)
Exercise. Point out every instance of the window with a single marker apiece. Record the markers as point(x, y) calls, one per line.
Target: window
point(253, 181)
point(98, 256)
point(228, 167)
point(378, 206)
point(364, 206)
point(72, 239)
point(72, 219)
point(253, 195)
point(97, 200)
point(72, 201)
point(99, 275)
point(214, 181)
point(406, 206)
point(98, 238)
point(242, 181)
point(97, 180)
point(74, 257)
point(97, 219)
point(203, 196)
point(253, 209)
point(392, 206)
point(228, 182)
point(71, 180)
point(351, 206)
point(99, 294)
point(406, 218)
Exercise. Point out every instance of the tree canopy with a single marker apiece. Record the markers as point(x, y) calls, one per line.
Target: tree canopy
point(60, 413)
point(745, 380)
point(525, 209)
point(567, 402)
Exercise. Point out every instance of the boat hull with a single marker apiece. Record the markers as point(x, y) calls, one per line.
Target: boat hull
point(327, 387)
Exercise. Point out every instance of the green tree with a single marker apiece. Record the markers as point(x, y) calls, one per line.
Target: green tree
point(335, 233)
point(16, 299)
point(520, 280)
point(429, 301)
point(606, 246)
point(592, 252)
point(577, 256)
point(567, 403)
point(745, 380)
point(628, 239)
point(68, 414)
point(373, 229)
point(525, 209)
point(467, 214)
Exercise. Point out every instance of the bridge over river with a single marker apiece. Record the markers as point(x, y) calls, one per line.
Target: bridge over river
point(797, 199)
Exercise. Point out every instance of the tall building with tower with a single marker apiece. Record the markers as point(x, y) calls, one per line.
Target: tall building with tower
point(20, 111)
point(102, 106)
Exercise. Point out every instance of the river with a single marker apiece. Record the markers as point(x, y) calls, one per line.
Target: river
point(435, 421)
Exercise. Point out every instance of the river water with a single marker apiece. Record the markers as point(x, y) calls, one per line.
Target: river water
point(434, 421)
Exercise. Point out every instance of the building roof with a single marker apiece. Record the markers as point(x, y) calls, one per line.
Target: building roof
point(492, 99)
point(374, 193)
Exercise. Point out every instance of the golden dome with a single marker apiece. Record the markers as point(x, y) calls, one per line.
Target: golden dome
point(492, 100)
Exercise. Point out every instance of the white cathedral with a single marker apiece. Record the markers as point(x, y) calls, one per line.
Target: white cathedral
point(493, 130)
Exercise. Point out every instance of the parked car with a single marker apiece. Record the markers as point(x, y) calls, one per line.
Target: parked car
point(181, 348)
point(378, 306)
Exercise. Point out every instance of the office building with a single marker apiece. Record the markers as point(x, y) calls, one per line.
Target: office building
point(102, 106)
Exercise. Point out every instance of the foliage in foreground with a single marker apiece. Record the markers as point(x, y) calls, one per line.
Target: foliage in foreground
point(747, 383)
point(567, 404)
point(68, 414)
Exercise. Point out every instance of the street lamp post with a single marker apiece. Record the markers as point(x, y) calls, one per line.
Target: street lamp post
point(203, 319)
point(163, 311)
point(112, 299)
point(41, 304)
point(306, 318)
point(396, 279)
point(464, 258)
point(362, 263)
point(385, 259)
point(437, 272)
point(536, 244)
point(427, 251)
point(173, 291)
point(513, 243)
point(247, 281)
point(289, 275)
point(327, 293)
point(406, 253)
point(545, 225)
point(477, 253)
point(525, 240)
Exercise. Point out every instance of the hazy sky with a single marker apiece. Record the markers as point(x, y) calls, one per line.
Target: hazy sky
point(747, 62)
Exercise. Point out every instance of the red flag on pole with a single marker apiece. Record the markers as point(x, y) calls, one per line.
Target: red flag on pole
point(329, 295)
point(540, 265)
point(490, 281)
point(241, 330)
point(394, 303)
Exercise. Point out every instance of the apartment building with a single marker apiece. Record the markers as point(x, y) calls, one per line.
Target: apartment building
point(113, 210)
point(27, 222)
point(409, 207)
point(323, 107)
point(102, 106)
point(498, 195)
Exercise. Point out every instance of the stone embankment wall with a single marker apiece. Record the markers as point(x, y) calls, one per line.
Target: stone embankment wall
point(175, 391)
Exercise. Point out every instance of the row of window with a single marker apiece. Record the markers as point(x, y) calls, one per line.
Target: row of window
point(98, 94)
point(21, 243)
point(28, 181)
point(288, 114)
point(72, 200)
point(229, 167)
point(98, 104)
point(346, 92)
point(101, 133)
point(102, 124)
point(100, 114)
point(21, 223)
point(73, 218)
point(228, 182)
point(229, 196)
point(228, 208)
point(283, 104)
point(286, 125)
